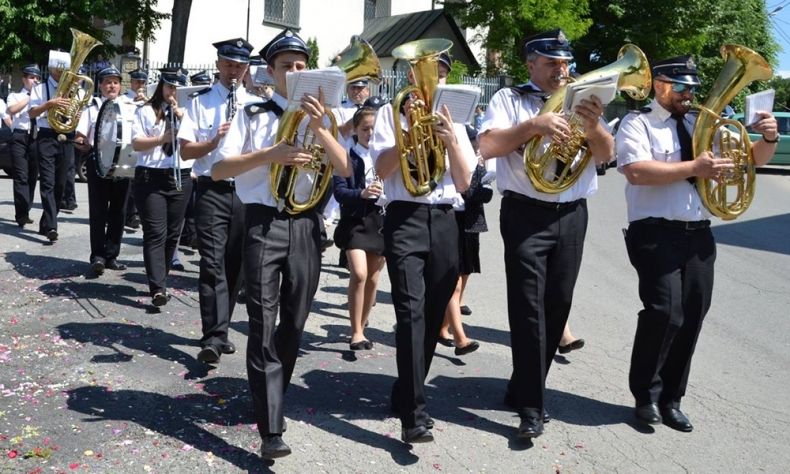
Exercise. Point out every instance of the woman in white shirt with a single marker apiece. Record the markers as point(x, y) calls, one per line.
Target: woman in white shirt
point(160, 200)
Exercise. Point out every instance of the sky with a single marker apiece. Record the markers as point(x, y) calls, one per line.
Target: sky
point(779, 14)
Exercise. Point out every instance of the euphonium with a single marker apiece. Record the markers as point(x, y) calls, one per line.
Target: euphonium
point(64, 119)
point(421, 152)
point(358, 61)
point(741, 66)
point(635, 80)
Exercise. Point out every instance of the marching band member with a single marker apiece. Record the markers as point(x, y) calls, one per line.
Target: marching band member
point(23, 152)
point(277, 245)
point(421, 249)
point(106, 196)
point(543, 233)
point(669, 240)
point(138, 80)
point(160, 203)
point(54, 156)
point(219, 213)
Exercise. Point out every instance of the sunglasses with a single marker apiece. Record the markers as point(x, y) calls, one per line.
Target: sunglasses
point(681, 88)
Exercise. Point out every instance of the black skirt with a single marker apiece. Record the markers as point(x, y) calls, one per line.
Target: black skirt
point(468, 247)
point(362, 233)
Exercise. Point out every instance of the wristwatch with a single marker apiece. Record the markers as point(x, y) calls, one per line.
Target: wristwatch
point(775, 140)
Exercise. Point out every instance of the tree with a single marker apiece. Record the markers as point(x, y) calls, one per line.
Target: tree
point(312, 45)
point(32, 27)
point(178, 31)
point(458, 71)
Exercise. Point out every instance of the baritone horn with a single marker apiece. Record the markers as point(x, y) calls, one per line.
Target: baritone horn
point(358, 61)
point(64, 119)
point(634, 79)
point(421, 152)
point(741, 67)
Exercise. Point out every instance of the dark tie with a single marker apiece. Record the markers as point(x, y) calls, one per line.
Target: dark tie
point(686, 152)
point(167, 148)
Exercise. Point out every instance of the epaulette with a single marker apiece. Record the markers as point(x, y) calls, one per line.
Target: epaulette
point(200, 92)
point(266, 106)
point(643, 110)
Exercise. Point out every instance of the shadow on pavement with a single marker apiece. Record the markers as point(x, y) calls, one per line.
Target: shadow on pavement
point(117, 336)
point(751, 234)
point(45, 267)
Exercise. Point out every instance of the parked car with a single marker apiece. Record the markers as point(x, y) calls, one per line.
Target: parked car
point(782, 156)
point(5, 152)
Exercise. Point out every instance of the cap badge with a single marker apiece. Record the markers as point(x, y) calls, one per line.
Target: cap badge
point(239, 44)
point(561, 37)
point(690, 63)
point(288, 34)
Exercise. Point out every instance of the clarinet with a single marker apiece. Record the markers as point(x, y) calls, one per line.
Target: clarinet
point(171, 148)
point(230, 112)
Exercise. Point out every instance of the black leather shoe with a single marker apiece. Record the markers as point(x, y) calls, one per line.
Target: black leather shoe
point(208, 355)
point(446, 341)
point(471, 347)
point(227, 348)
point(546, 417)
point(429, 423)
point(97, 266)
point(52, 235)
point(159, 299)
point(133, 222)
point(274, 447)
point(115, 265)
point(530, 427)
point(675, 419)
point(648, 414)
point(573, 346)
point(418, 434)
point(465, 310)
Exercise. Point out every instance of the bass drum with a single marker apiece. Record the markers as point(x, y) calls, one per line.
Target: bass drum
point(114, 156)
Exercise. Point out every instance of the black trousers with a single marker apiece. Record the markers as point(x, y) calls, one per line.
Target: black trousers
point(24, 163)
point(543, 254)
point(106, 213)
point(282, 263)
point(219, 216)
point(188, 232)
point(421, 249)
point(69, 192)
point(53, 164)
point(675, 268)
point(161, 207)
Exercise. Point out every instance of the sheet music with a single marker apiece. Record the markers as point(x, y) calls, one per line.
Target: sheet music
point(460, 99)
point(605, 88)
point(758, 102)
point(261, 76)
point(331, 80)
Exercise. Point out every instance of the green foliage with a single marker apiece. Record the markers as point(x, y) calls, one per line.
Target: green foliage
point(312, 45)
point(32, 27)
point(459, 70)
point(782, 87)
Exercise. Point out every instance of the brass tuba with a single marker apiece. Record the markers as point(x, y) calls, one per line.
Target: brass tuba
point(635, 80)
point(64, 119)
point(421, 152)
point(358, 61)
point(741, 66)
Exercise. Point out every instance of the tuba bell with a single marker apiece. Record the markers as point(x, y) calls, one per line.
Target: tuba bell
point(358, 61)
point(741, 66)
point(64, 119)
point(635, 80)
point(421, 152)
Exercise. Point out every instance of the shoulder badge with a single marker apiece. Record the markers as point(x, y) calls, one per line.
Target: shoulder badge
point(266, 106)
point(200, 92)
point(644, 110)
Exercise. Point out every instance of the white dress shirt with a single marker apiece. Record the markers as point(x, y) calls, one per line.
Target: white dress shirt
point(384, 138)
point(145, 125)
point(40, 94)
point(507, 109)
point(20, 120)
point(653, 136)
point(205, 113)
point(90, 115)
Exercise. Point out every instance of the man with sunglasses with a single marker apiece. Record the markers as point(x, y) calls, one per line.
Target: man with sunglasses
point(669, 240)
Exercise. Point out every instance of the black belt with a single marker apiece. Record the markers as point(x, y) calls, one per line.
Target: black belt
point(163, 172)
point(19, 130)
point(683, 225)
point(442, 207)
point(224, 184)
point(49, 133)
point(557, 206)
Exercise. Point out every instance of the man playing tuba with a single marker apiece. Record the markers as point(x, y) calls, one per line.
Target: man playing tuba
point(543, 233)
point(669, 240)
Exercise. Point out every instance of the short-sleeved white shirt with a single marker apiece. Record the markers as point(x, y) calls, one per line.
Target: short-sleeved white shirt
point(507, 109)
point(653, 136)
point(384, 138)
point(145, 125)
point(89, 117)
point(20, 120)
point(40, 94)
point(344, 113)
point(3, 109)
point(205, 113)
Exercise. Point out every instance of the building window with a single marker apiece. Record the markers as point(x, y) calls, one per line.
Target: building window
point(281, 13)
point(376, 9)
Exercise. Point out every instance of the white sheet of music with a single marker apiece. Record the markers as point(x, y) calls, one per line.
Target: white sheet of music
point(331, 80)
point(762, 101)
point(460, 99)
point(605, 88)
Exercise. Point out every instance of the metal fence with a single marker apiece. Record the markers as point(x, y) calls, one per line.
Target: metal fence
point(154, 66)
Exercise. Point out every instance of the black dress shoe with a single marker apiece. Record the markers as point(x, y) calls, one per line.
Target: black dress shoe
point(208, 355)
point(446, 341)
point(52, 235)
point(530, 427)
point(274, 447)
point(159, 299)
point(133, 222)
point(675, 419)
point(362, 345)
point(115, 265)
point(648, 414)
point(227, 348)
point(511, 403)
point(465, 310)
point(418, 434)
point(97, 265)
point(429, 423)
point(574, 345)
point(546, 416)
point(471, 347)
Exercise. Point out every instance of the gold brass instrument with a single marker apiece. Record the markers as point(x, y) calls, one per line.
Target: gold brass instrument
point(64, 119)
point(635, 80)
point(741, 66)
point(422, 154)
point(358, 61)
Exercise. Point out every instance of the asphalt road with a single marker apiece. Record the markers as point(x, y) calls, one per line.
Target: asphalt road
point(91, 380)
